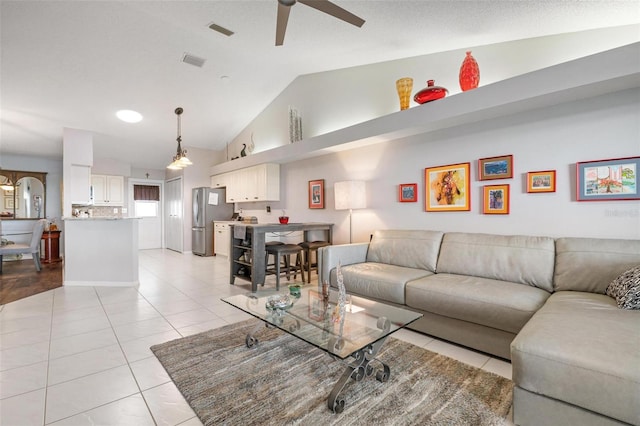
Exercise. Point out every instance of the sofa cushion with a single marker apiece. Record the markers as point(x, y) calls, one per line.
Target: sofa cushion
point(626, 289)
point(378, 280)
point(590, 264)
point(580, 348)
point(497, 304)
point(519, 259)
point(413, 249)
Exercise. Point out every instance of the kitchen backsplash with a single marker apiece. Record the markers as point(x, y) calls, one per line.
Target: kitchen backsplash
point(106, 211)
point(100, 211)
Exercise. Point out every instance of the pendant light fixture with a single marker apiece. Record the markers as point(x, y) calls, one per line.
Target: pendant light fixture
point(180, 161)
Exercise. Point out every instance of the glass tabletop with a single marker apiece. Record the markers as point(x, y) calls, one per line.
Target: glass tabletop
point(318, 322)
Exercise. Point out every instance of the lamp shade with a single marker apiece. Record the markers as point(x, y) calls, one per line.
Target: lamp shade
point(350, 194)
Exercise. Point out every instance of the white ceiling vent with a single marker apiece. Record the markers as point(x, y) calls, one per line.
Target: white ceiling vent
point(190, 59)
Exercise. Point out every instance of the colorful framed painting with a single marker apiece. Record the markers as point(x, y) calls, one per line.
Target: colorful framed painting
point(542, 181)
point(408, 192)
point(496, 199)
point(608, 180)
point(447, 188)
point(316, 194)
point(495, 167)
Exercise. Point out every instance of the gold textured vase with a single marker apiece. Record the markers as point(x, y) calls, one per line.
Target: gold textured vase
point(404, 87)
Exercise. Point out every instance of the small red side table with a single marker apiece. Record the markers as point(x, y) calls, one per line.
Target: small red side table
point(51, 247)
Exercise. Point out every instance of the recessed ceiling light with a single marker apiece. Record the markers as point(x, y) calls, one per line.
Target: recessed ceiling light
point(129, 116)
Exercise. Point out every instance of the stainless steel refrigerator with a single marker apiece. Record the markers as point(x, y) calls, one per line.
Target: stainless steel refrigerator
point(208, 205)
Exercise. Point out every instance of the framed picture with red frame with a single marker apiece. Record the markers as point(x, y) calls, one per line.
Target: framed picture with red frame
point(316, 194)
point(408, 192)
point(608, 180)
point(495, 167)
point(496, 199)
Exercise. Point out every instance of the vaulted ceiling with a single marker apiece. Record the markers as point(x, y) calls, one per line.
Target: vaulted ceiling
point(75, 63)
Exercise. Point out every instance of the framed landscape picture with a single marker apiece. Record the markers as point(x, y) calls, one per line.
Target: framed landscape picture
point(408, 192)
point(543, 181)
point(495, 167)
point(447, 188)
point(316, 194)
point(607, 180)
point(496, 199)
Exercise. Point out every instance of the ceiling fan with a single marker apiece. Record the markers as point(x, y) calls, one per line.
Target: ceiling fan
point(284, 7)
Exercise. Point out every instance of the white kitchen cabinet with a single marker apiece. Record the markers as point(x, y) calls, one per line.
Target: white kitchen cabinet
point(257, 183)
point(79, 184)
point(219, 181)
point(222, 238)
point(108, 190)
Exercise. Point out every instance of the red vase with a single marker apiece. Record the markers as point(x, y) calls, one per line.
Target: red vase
point(430, 93)
point(469, 73)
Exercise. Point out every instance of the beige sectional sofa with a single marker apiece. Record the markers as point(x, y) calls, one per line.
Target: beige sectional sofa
point(537, 301)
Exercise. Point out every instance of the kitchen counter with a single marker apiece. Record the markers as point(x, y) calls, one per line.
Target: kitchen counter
point(100, 218)
point(100, 251)
point(254, 270)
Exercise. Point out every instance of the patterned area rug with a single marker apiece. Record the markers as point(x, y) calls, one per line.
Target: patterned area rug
point(284, 380)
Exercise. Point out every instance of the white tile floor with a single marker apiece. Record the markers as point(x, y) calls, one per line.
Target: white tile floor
point(80, 355)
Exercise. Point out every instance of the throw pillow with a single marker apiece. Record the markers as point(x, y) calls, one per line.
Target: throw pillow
point(626, 289)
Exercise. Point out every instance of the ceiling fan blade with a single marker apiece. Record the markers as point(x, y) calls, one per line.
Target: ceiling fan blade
point(334, 10)
point(281, 26)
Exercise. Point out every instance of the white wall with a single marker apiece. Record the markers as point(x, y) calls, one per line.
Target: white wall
point(333, 100)
point(555, 138)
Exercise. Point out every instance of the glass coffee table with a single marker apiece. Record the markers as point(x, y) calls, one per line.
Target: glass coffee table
point(358, 334)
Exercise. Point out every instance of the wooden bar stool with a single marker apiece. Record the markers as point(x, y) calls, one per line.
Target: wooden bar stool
point(310, 247)
point(283, 252)
point(266, 252)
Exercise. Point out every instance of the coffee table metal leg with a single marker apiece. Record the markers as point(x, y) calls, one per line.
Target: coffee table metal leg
point(359, 369)
point(251, 340)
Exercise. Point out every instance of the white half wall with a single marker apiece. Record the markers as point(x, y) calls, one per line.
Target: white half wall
point(552, 139)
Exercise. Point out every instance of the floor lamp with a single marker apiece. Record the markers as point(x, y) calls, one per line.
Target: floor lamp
point(350, 195)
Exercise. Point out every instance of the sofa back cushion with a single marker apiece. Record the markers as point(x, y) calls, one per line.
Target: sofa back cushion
point(519, 259)
point(590, 264)
point(412, 249)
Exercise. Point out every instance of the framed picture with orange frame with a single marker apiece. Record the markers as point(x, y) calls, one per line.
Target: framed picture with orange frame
point(447, 188)
point(316, 194)
point(496, 199)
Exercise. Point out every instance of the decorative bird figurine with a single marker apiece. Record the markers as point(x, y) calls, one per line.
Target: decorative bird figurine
point(243, 153)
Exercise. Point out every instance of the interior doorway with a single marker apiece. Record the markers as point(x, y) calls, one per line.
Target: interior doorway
point(173, 212)
point(145, 202)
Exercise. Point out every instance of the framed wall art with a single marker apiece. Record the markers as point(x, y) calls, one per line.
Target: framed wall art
point(8, 202)
point(607, 180)
point(408, 192)
point(495, 167)
point(447, 188)
point(542, 181)
point(496, 199)
point(316, 194)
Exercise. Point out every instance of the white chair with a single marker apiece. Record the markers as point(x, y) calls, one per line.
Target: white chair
point(33, 248)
